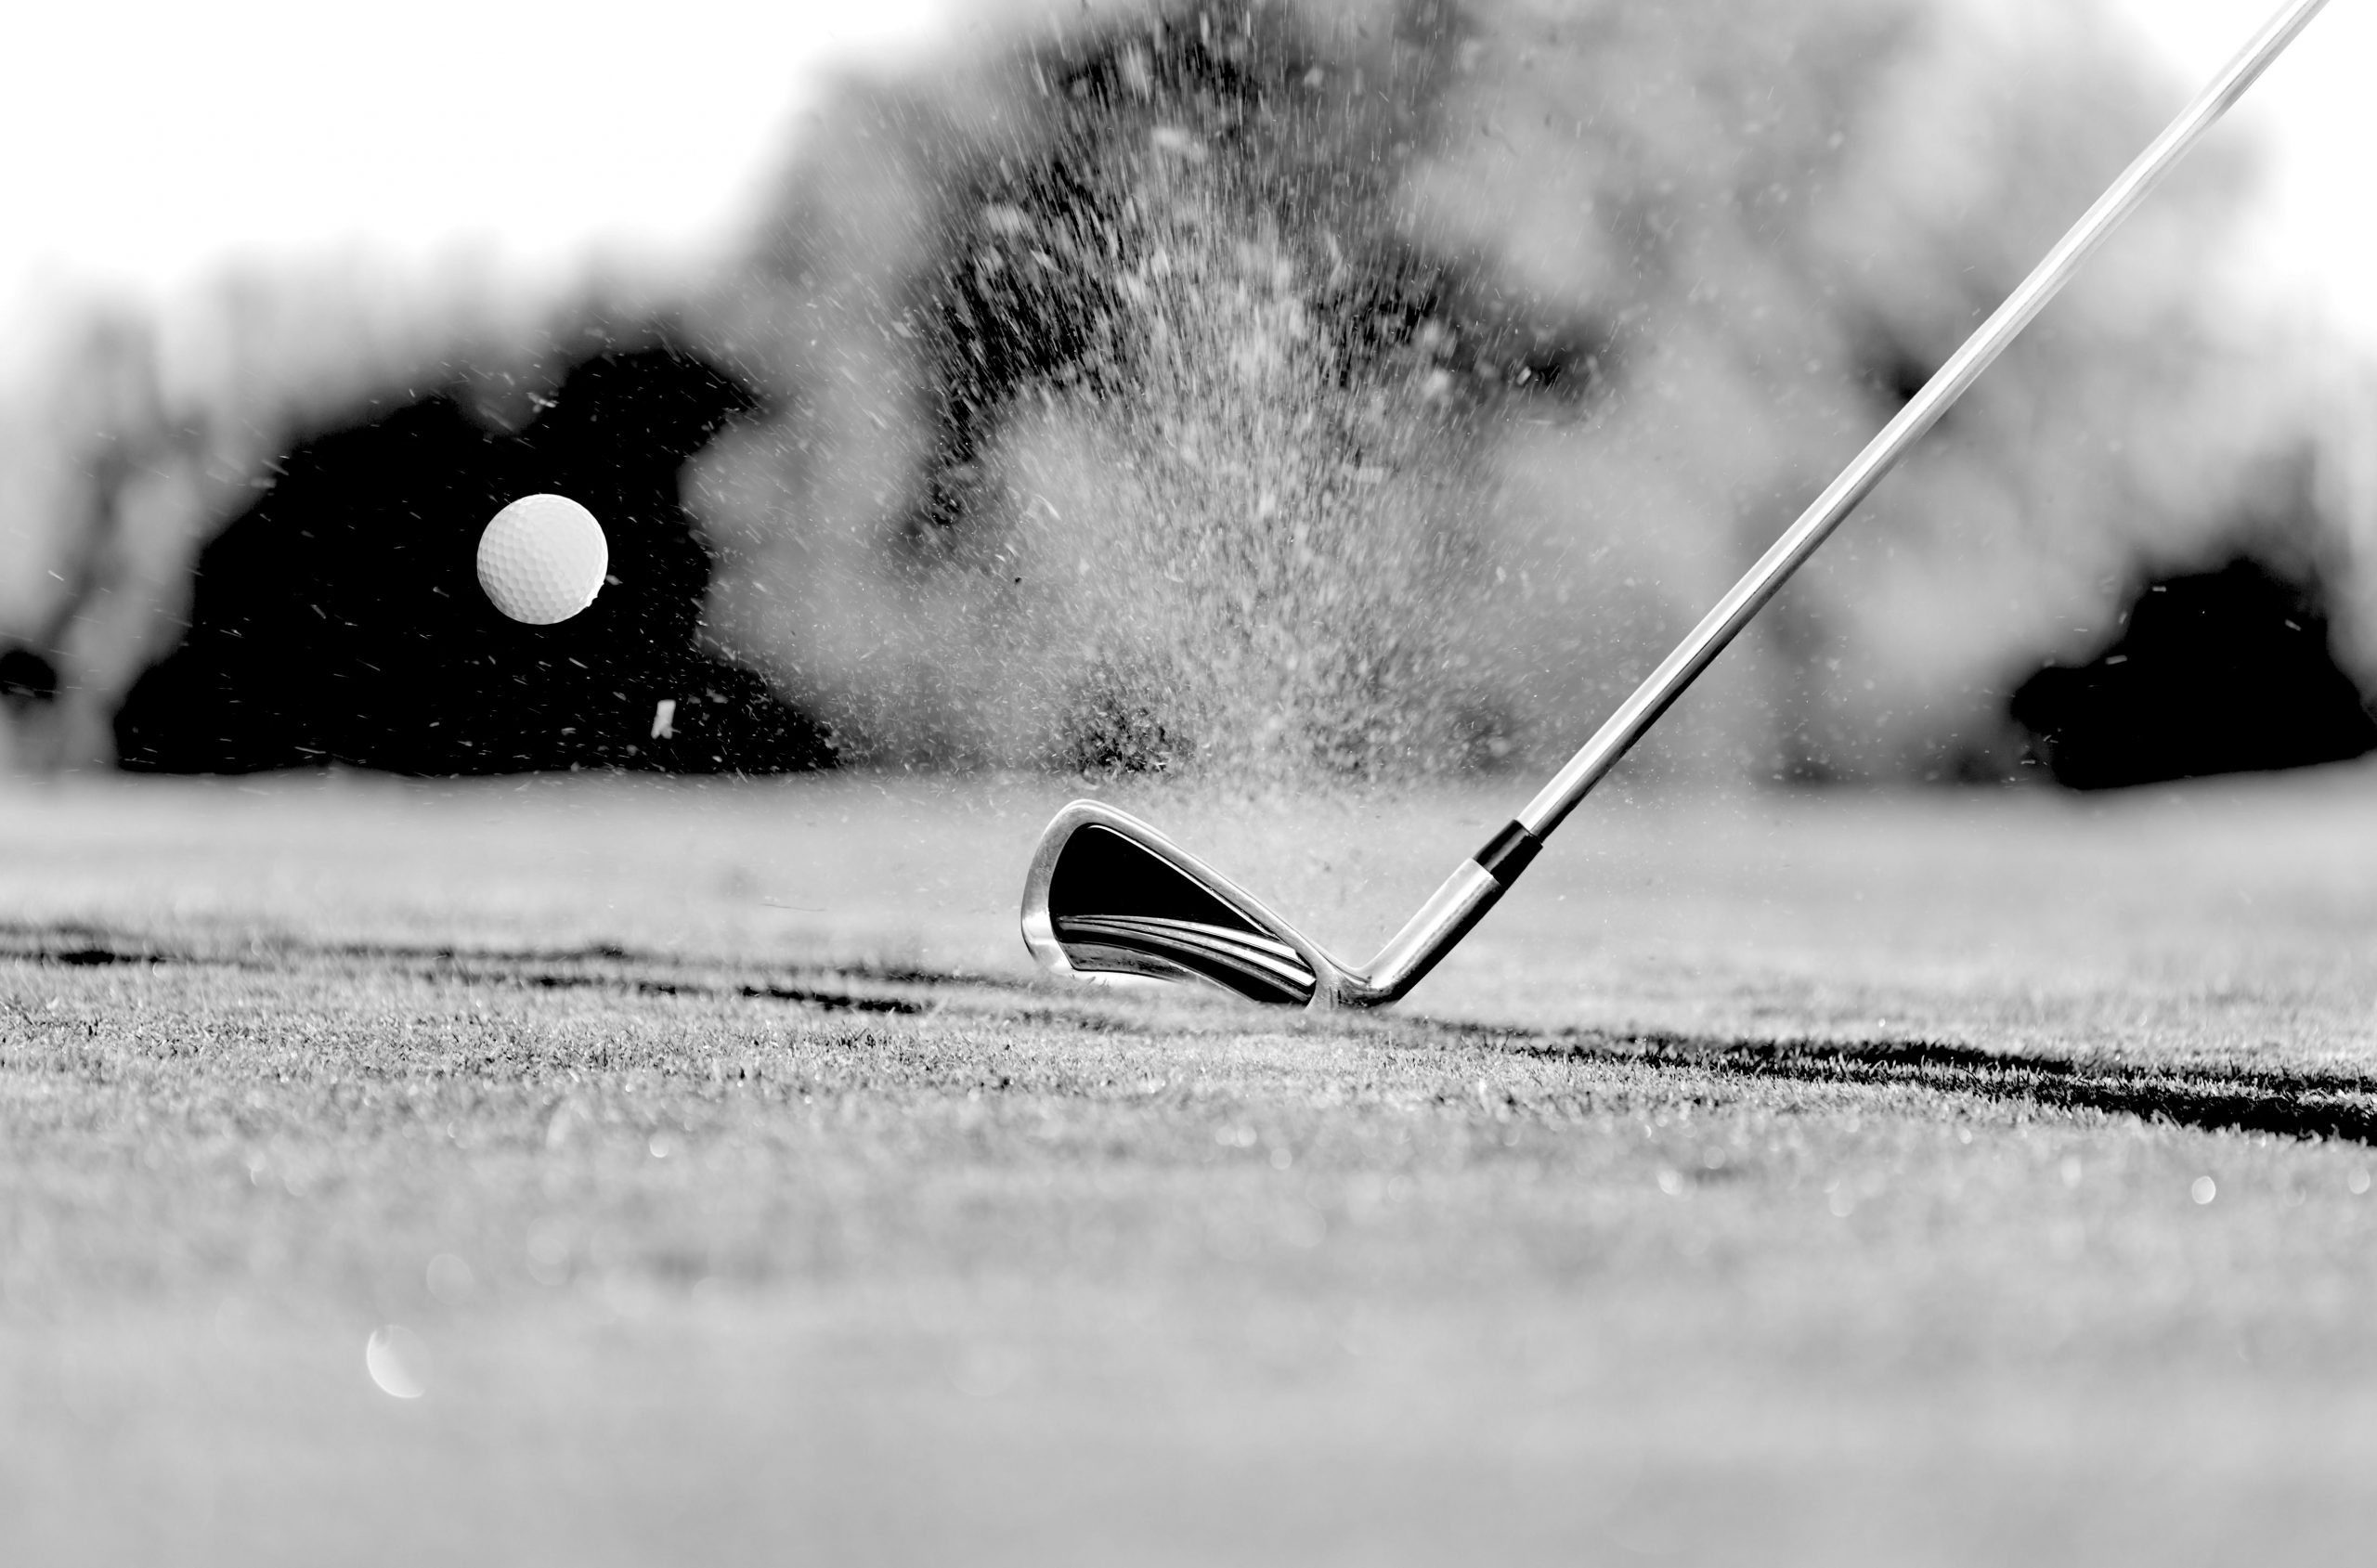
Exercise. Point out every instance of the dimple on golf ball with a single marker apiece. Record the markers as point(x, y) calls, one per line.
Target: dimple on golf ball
point(543, 559)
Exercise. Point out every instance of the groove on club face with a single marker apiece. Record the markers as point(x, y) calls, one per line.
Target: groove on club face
point(1108, 895)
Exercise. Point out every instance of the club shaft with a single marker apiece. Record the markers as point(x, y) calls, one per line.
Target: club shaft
point(1639, 712)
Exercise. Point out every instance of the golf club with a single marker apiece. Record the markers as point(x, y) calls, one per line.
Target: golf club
point(1107, 894)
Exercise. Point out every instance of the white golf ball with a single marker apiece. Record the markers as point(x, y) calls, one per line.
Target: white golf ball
point(542, 559)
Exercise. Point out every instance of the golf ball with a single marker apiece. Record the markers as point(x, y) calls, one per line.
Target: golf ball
point(542, 559)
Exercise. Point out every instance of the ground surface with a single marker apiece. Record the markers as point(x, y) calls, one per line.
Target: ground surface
point(1954, 1178)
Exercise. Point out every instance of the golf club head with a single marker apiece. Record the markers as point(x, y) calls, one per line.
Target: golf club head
point(1108, 895)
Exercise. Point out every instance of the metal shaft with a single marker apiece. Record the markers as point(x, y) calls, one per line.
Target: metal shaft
point(1639, 712)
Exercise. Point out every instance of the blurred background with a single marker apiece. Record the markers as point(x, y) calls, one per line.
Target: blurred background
point(1296, 389)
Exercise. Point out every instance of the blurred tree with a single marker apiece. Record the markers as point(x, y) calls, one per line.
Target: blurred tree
point(1369, 386)
point(1591, 298)
point(339, 620)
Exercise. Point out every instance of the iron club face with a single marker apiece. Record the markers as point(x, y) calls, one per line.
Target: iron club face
point(1108, 895)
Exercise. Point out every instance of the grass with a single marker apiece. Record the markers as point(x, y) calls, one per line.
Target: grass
point(1951, 1178)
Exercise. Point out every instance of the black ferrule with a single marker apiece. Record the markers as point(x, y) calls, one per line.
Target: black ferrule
point(1507, 853)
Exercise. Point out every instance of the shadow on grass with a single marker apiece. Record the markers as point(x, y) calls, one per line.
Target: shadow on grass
point(599, 965)
point(2212, 1096)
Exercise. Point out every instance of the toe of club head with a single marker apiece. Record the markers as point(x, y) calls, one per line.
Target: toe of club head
point(1108, 895)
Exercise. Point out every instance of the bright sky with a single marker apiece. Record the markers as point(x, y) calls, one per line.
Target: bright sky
point(151, 142)
point(2316, 241)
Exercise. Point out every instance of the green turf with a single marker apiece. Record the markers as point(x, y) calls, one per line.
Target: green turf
point(1806, 1178)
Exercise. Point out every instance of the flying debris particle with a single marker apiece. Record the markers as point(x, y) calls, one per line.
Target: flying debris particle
point(396, 1361)
point(664, 719)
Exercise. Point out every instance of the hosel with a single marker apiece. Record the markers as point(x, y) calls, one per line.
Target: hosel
point(1473, 888)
